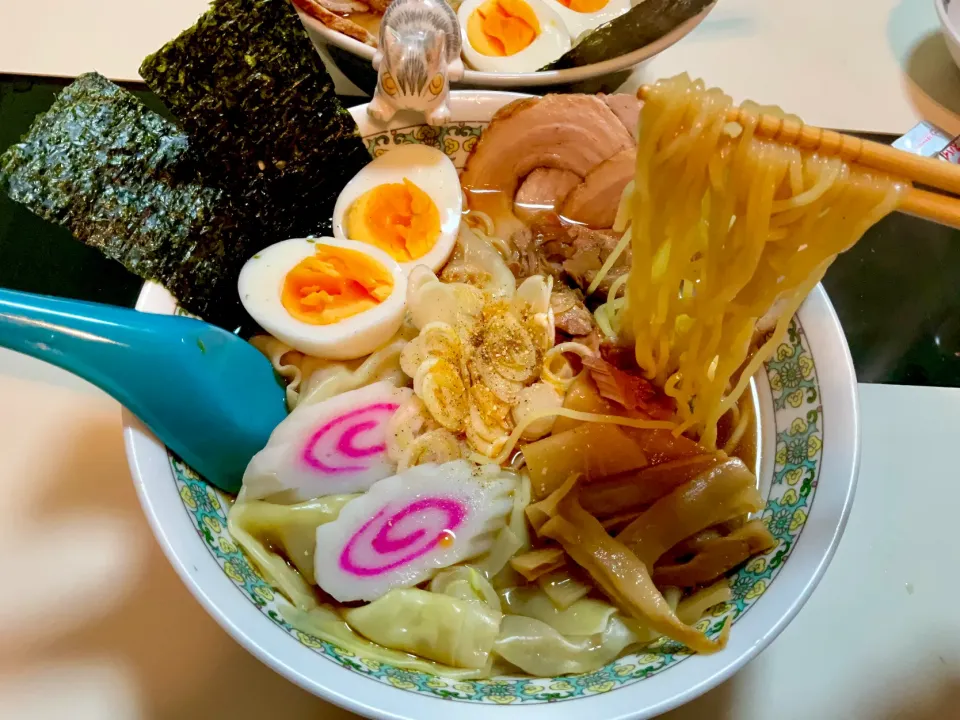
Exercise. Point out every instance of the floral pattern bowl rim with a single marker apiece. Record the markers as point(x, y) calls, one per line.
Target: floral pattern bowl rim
point(808, 393)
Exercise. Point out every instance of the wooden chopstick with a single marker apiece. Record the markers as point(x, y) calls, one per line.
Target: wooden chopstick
point(927, 171)
point(932, 206)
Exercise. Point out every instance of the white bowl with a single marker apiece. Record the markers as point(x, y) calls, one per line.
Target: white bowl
point(949, 14)
point(808, 474)
point(321, 35)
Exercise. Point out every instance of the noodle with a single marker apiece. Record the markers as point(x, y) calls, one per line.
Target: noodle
point(623, 209)
point(488, 226)
point(563, 383)
point(609, 262)
point(741, 422)
point(725, 225)
point(488, 234)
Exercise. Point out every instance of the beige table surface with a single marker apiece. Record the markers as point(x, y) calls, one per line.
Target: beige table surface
point(851, 64)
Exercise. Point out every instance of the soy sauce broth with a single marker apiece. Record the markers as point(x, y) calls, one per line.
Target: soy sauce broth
point(749, 447)
point(369, 21)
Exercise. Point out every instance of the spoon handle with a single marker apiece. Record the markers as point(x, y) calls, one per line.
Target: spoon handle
point(208, 395)
point(114, 348)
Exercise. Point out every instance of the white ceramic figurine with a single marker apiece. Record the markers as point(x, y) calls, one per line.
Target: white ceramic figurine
point(417, 59)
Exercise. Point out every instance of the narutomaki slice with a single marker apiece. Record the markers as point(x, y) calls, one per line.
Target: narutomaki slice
point(333, 447)
point(409, 526)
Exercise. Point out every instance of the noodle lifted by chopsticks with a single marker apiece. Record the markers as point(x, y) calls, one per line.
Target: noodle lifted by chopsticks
point(726, 227)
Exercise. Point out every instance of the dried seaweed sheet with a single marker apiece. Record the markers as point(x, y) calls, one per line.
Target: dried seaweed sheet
point(643, 24)
point(121, 179)
point(252, 94)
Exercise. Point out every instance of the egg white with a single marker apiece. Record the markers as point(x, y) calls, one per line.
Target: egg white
point(261, 285)
point(427, 168)
point(578, 23)
point(552, 42)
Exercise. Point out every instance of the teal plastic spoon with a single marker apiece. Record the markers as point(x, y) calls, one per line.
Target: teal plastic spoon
point(209, 396)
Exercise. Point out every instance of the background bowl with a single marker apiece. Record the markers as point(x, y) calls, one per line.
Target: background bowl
point(949, 14)
point(354, 59)
point(809, 451)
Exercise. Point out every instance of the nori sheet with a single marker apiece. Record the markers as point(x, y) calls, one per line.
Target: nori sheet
point(643, 24)
point(259, 107)
point(264, 149)
point(122, 179)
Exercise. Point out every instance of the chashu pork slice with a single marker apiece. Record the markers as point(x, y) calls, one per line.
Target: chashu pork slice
point(594, 202)
point(627, 108)
point(324, 11)
point(543, 191)
point(565, 132)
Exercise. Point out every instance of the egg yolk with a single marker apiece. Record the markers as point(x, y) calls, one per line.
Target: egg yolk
point(585, 6)
point(334, 284)
point(500, 28)
point(399, 218)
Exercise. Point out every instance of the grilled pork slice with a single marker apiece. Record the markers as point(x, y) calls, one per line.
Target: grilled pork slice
point(627, 108)
point(543, 191)
point(594, 202)
point(564, 132)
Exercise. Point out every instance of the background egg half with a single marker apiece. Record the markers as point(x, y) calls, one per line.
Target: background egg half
point(375, 207)
point(362, 277)
point(578, 22)
point(481, 38)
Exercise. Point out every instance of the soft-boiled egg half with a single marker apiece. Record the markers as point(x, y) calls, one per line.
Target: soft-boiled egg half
point(332, 298)
point(511, 36)
point(579, 16)
point(407, 202)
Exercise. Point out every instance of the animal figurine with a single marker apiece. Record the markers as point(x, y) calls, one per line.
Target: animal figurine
point(417, 59)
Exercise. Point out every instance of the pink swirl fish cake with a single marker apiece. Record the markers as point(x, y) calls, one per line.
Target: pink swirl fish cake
point(409, 526)
point(330, 448)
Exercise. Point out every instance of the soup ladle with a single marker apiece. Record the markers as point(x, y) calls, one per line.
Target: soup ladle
point(208, 395)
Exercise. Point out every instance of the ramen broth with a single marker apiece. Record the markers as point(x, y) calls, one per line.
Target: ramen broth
point(749, 447)
point(369, 21)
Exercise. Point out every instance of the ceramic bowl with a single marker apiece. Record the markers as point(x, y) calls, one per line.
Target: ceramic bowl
point(949, 14)
point(809, 450)
point(354, 59)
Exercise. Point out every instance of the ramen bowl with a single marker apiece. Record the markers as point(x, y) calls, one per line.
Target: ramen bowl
point(949, 15)
point(808, 458)
point(355, 58)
